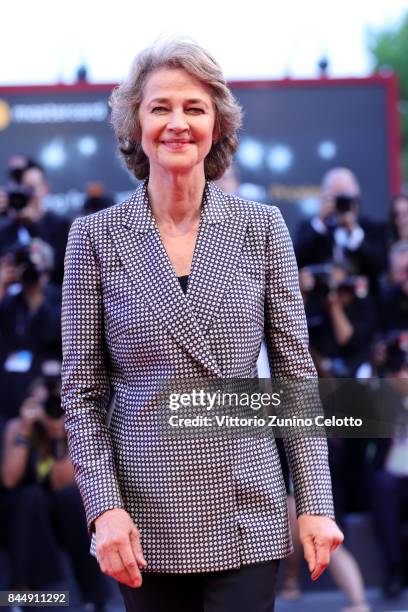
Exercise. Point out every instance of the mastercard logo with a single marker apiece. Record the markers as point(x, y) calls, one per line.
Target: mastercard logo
point(5, 114)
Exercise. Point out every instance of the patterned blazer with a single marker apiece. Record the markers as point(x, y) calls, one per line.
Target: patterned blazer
point(201, 504)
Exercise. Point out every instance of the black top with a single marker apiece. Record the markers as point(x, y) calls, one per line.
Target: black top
point(183, 280)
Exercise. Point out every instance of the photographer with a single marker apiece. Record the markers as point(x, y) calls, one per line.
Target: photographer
point(27, 218)
point(42, 504)
point(393, 312)
point(30, 315)
point(337, 234)
point(389, 469)
point(398, 222)
point(340, 316)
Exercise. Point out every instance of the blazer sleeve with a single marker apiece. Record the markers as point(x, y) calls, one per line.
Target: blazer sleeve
point(85, 388)
point(287, 342)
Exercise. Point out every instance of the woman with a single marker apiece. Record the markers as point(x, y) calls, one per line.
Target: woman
point(398, 218)
point(174, 284)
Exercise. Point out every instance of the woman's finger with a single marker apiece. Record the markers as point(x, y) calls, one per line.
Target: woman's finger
point(309, 553)
point(322, 559)
point(137, 548)
point(116, 568)
point(130, 564)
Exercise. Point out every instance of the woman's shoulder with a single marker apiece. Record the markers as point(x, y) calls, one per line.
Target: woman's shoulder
point(247, 207)
point(111, 215)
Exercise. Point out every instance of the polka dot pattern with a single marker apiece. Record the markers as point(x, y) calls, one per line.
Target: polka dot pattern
point(201, 504)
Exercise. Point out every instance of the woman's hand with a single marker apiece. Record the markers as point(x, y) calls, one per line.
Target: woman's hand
point(319, 536)
point(118, 547)
point(8, 273)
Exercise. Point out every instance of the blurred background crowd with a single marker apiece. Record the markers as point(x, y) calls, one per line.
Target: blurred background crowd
point(40, 507)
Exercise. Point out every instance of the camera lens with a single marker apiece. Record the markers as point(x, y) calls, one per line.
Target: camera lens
point(18, 197)
point(344, 203)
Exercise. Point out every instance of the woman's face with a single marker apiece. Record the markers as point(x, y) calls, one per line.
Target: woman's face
point(400, 210)
point(177, 119)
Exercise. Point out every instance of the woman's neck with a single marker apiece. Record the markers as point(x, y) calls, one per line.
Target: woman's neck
point(176, 198)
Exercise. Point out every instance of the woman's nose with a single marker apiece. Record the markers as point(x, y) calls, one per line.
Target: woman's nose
point(178, 122)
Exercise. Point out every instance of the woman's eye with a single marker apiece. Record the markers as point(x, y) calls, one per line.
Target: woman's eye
point(159, 109)
point(195, 110)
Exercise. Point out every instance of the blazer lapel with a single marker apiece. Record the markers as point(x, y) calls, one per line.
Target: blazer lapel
point(218, 247)
point(138, 244)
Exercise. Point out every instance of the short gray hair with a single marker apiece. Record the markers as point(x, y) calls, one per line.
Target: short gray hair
point(125, 102)
point(345, 175)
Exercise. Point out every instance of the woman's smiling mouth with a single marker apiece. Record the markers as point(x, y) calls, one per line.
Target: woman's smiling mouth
point(176, 145)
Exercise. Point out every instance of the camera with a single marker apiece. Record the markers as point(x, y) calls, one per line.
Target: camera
point(321, 273)
point(323, 280)
point(343, 203)
point(21, 256)
point(52, 404)
point(18, 197)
